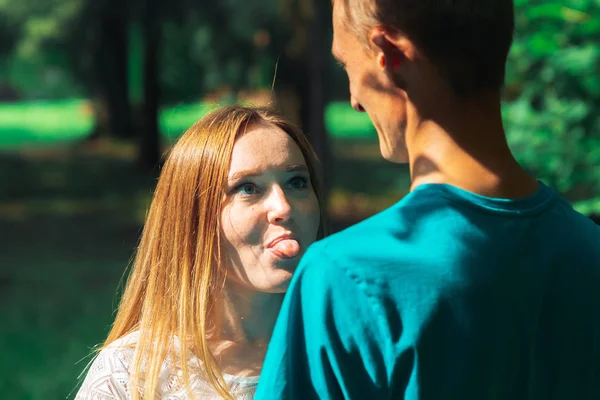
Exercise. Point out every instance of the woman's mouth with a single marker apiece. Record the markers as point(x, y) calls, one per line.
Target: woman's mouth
point(285, 247)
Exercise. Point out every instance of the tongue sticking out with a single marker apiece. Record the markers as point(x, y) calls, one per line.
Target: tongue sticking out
point(287, 248)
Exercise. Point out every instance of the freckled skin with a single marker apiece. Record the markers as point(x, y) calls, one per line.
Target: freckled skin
point(264, 201)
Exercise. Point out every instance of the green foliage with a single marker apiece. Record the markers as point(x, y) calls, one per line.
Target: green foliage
point(215, 47)
point(33, 57)
point(44, 76)
point(552, 110)
point(39, 22)
point(204, 45)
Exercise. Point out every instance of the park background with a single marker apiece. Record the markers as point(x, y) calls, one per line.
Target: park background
point(94, 92)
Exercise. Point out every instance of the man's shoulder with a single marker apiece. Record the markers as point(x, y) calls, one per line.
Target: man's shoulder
point(358, 251)
point(382, 232)
point(574, 237)
point(358, 238)
point(380, 224)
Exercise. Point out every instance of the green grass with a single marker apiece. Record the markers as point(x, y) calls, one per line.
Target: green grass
point(44, 122)
point(68, 226)
point(55, 122)
point(174, 121)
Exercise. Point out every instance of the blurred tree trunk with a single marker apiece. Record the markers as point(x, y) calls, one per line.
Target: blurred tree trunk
point(315, 101)
point(149, 150)
point(120, 109)
point(302, 82)
point(110, 72)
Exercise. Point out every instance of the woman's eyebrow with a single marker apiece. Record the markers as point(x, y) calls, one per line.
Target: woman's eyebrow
point(256, 172)
point(296, 167)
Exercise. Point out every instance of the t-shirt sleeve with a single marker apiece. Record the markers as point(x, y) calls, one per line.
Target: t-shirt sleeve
point(327, 342)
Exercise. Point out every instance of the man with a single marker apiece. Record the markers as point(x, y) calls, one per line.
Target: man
point(482, 283)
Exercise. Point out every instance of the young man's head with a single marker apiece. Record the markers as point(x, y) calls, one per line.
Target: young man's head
point(403, 55)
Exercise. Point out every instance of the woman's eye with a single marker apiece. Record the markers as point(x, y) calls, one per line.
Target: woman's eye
point(298, 182)
point(247, 189)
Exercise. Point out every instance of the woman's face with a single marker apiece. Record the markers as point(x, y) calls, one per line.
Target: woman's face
point(270, 211)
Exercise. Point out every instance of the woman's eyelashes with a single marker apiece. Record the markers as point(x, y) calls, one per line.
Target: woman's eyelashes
point(249, 188)
point(299, 182)
point(245, 188)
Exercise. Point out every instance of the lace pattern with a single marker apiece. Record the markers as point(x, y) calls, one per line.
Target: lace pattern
point(109, 375)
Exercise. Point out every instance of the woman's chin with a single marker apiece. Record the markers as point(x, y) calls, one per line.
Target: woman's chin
point(280, 284)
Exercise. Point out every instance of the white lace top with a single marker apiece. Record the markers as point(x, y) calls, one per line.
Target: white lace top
point(108, 377)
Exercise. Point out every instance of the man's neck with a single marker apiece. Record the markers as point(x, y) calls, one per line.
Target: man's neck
point(463, 143)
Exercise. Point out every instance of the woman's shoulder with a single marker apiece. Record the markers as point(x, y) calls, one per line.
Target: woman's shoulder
point(109, 373)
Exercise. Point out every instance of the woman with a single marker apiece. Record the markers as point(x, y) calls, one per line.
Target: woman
point(236, 206)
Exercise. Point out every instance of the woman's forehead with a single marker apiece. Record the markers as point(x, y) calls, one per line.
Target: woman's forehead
point(263, 147)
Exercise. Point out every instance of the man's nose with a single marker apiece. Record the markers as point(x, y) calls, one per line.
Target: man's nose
point(356, 105)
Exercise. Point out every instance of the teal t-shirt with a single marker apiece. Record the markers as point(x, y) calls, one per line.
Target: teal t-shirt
point(445, 295)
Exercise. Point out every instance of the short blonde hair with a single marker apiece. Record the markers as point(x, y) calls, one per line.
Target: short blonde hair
point(467, 40)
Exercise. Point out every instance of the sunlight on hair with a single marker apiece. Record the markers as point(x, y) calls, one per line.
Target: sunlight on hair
point(177, 272)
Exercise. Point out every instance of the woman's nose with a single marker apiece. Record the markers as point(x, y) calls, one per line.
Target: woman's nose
point(279, 210)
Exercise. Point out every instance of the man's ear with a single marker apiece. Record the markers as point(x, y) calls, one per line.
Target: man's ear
point(393, 52)
point(395, 46)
